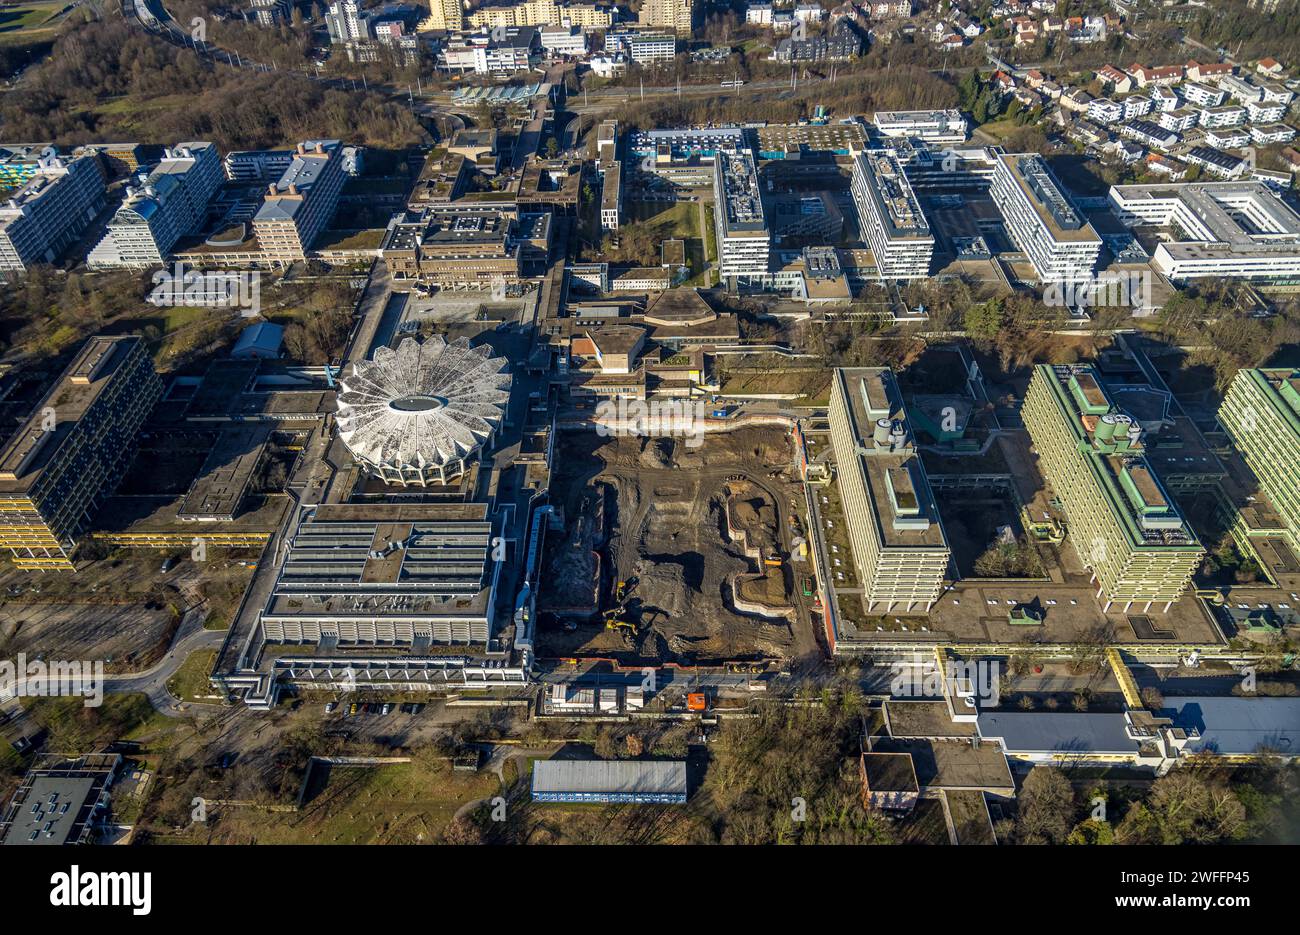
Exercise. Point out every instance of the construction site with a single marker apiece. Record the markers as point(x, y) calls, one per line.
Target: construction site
point(675, 550)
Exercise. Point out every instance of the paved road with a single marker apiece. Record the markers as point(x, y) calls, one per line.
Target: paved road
point(190, 637)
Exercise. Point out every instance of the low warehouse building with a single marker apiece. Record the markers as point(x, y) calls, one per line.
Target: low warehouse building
point(638, 781)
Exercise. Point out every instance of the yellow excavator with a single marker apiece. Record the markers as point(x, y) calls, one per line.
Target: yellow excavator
point(614, 616)
point(614, 622)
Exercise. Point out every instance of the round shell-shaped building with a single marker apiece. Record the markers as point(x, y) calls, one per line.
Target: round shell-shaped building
point(415, 416)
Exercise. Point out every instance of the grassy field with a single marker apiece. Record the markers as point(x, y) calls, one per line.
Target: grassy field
point(400, 803)
point(190, 683)
point(73, 726)
point(681, 219)
point(809, 387)
point(30, 22)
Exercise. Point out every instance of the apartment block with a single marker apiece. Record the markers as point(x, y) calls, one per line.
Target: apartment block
point(1229, 115)
point(51, 209)
point(171, 204)
point(1261, 414)
point(1124, 525)
point(544, 13)
point(899, 547)
point(1203, 96)
point(890, 217)
point(444, 16)
point(673, 15)
point(1042, 221)
point(301, 204)
point(73, 450)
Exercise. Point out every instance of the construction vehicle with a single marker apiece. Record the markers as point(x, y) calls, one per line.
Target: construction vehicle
point(623, 589)
point(613, 621)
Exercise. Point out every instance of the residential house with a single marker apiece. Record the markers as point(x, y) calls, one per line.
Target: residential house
point(1163, 74)
point(1208, 72)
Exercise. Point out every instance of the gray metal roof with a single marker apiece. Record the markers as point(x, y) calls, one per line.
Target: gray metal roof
point(607, 776)
point(1238, 725)
point(424, 403)
point(1057, 732)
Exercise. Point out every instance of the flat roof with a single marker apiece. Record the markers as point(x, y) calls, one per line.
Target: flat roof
point(1049, 200)
point(896, 203)
point(905, 512)
point(1123, 474)
point(387, 559)
point(57, 800)
point(627, 777)
point(308, 164)
point(743, 205)
point(955, 764)
point(890, 772)
point(1231, 725)
point(916, 719)
point(223, 479)
point(1061, 732)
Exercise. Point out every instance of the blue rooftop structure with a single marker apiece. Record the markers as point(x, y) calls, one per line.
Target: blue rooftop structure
point(1238, 726)
point(261, 341)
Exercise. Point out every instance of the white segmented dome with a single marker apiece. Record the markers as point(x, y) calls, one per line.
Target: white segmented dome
point(422, 408)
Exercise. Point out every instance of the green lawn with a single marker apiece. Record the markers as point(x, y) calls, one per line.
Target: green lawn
point(30, 22)
point(681, 220)
point(190, 683)
point(401, 803)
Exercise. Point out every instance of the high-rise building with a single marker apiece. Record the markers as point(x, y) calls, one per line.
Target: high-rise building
point(899, 547)
point(269, 12)
point(170, 204)
point(606, 144)
point(890, 217)
point(49, 212)
point(1261, 414)
point(668, 14)
point(744, 241)
point(73, 450)
point(611, 197)
point(302, 204)
point(1124, 525)
point(444, 16)
point(544, 13)
point(347, 23)
point(1042, 221)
